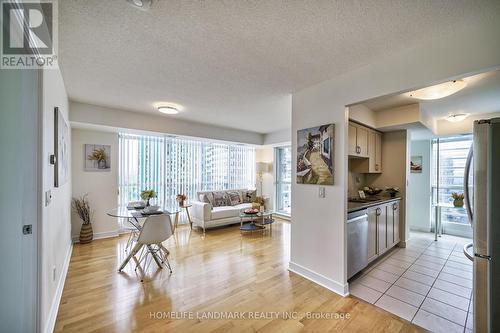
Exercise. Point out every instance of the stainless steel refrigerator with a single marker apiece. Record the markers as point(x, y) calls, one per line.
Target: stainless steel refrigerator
point(484, 216)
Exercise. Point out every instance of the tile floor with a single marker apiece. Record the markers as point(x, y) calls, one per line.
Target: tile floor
point(428, 283)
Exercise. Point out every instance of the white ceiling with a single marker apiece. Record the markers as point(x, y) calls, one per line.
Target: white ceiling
point(235, 63)
point(481, 95)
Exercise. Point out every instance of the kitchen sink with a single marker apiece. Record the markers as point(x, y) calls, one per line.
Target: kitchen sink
point(366, 200)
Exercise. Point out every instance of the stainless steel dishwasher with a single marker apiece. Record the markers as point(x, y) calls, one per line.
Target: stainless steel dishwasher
point(357, 242)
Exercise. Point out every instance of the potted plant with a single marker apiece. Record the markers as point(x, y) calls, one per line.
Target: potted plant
point(392, 191)
point(147, 195)
point(82, 208)
point(180, 199)
point(98, 155)
point(458, 199)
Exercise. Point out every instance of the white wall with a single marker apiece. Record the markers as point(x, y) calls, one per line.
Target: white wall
point(101, 187)
point(81, 113)
point(318, 249)
point(266, 154)
point(56, 223)
point(419, 189)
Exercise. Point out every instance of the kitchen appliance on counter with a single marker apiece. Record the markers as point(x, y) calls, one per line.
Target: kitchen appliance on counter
point(357, 242)
point(484, 216)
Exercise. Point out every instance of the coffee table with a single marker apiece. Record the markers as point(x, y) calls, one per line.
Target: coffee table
point(259, 221)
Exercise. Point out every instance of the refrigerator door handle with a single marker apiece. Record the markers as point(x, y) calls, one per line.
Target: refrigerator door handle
point(466, 252)
point(466, 186)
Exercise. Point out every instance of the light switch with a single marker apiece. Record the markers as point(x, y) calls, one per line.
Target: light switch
point(321, 192)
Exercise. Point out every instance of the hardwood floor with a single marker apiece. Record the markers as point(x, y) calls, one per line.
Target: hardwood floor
point(224, 273)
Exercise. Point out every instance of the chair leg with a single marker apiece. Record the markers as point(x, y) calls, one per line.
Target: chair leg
point(136, 248)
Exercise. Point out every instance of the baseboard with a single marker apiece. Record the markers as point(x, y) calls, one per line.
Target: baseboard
point(338, 288)
point(99, 235)
point(54, 308)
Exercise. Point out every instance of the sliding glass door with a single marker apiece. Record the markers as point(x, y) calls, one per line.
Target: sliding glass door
point(283, 158)
point(449, 156)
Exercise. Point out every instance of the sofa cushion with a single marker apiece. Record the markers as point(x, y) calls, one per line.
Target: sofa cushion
point(242, 206)
point(249, 195)
point(219, 199)
point(234, 197)
point(224, 212)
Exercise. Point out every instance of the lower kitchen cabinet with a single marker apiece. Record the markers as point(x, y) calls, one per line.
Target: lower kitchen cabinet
point(383, 229)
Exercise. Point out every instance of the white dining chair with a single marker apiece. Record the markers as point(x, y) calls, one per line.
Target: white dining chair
point(156, 229)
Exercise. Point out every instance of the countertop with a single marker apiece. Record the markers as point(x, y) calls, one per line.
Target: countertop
point(355, 206)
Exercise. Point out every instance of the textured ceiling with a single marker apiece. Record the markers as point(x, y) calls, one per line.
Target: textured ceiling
point(235, 63)
point(481, 95)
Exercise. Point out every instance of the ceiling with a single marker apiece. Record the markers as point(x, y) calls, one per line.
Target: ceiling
point(481, 95)
point(235, 63)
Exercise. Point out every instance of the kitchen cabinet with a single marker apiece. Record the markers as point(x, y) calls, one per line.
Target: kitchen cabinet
point(393, 220)
point(358, 140)
point(382, 229)
point(366, 145)
point(372, 234)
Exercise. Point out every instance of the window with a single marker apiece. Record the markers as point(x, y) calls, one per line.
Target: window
point(452, 154)
point(171, 165)
point(283, 157)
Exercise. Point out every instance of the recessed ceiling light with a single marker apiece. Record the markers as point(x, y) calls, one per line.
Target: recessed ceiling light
point(439, 90)
point(168, 110)
point(455, 118)
point(141, 4)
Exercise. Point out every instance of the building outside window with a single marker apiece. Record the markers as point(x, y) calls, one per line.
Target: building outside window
point(283, 158)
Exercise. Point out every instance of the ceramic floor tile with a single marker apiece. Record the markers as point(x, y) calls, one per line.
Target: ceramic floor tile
point(391, 268)
point(397, 307)
point(424, 270)
point(437, 253)
point(383, 275)
point(422, 278)
point(405, 295)
point(444, 310)
point(428, 264)
point(414, 286)
point(455, 279)
point(470, 321)
point(458, 272)
point(463, 260)
point(463, 267)
point(450, 299)
point(398, 263)
point(367, 294)
point(374, 283)
point(436, 324)
point(453, 288)
point(433, 259)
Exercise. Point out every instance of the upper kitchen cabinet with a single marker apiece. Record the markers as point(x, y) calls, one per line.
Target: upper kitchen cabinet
point(366, 144)
point(358, 140)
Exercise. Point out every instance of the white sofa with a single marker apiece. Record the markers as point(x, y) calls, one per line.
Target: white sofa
point(205, 216)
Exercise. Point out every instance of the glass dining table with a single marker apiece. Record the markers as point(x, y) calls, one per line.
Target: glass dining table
point(135, 216)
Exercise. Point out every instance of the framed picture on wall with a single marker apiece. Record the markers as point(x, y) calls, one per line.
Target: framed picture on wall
point(416, 164)
point(61, 149)
point(97, 157)
point(315, 147)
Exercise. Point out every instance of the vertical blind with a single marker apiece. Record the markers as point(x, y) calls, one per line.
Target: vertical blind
point(171, 166)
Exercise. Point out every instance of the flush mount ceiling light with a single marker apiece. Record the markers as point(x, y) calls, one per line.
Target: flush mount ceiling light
point(168, 109)
point(439, 90)
point(141, 4)
point(455, 118)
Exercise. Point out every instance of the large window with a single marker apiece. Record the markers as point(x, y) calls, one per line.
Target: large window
point(450, 154)
point(171, 165)
point(283, 157)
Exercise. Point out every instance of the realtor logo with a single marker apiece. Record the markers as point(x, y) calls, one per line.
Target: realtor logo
point(29, 34)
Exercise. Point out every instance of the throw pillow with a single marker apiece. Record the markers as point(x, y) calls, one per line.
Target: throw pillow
point(234, 198)
point(205, 197)
point(249, 196)
point(219, 199)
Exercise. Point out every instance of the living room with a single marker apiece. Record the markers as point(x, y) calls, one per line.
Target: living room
point(184, 165)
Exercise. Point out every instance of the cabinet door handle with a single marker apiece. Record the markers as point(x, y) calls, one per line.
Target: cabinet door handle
point(394, 206)
point(378, 211)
